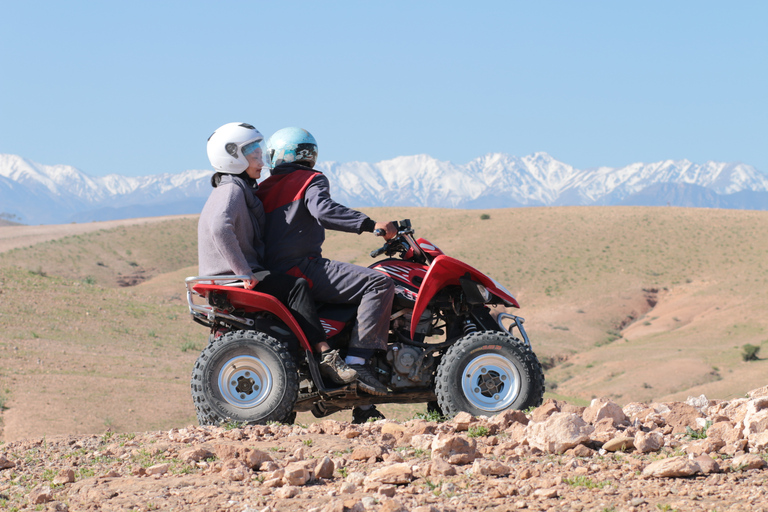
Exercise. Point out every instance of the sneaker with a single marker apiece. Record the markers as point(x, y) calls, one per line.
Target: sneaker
point(367, 381)
point(360, 415)
point(333, 366)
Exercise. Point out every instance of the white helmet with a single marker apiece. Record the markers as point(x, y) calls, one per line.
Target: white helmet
point(229, 144)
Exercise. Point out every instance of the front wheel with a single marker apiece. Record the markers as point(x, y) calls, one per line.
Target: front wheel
point(244, 377)
point(485, 373)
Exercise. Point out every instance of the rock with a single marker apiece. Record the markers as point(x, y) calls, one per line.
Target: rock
point(273, 482)
point(490, 468)
point(707, 464)
point(347, 488)
point(416, 427)
point(65, 476)
point(505, 419)
point(422, 441)
point(226, 451)
point(545, 493)
point(700, 402)
point(759, 442)
point(621, 443)
point(580, 451)
point(158, 469)
point(195, 454)
point(335, 506)
point(758, 393)
point(234, 470)
point(672, 468)
point(296, 473)
point(701, 447)
point(462, 421)
point(747, 461)
point(440, 467)
point(287, 492)
point(40, 494)
point(560, 432)
point(255, 459)
point(604, 408)
point(724, 433)
point(392, 505)
point(5, 463)
point(372, 453)
point(324, 468)
point(388, 490)
point(756, 416)
point(394, 429)
point(646, 442)
point(356, 478)
point(455, 449)
point(636, 411)
point(393, 474)
point(544, 411)
point(681, 416)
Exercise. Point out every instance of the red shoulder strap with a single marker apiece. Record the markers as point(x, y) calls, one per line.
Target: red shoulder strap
point(282, 189)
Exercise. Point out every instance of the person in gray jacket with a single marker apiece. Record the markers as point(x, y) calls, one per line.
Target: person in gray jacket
point(299, 208)
point(230, 237)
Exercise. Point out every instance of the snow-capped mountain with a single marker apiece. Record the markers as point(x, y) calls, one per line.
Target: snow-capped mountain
point(32, 193)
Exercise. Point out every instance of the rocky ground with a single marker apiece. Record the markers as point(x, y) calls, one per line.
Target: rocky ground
point(698, 455)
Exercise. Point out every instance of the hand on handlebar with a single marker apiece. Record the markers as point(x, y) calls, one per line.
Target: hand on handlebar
point(385, 229)
point(250, 284)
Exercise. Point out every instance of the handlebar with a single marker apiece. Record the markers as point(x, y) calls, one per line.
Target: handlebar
point(401, 241)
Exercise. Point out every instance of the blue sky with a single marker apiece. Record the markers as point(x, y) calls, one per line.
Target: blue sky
point(136, 88)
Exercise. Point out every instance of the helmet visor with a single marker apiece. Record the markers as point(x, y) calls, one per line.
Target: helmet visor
point(257, 149)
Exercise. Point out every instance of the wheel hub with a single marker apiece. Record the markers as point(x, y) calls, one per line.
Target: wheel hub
point(491, 382)
point(244, 381)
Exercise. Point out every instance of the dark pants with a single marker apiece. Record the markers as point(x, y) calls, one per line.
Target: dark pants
point(294, 293)
point(344, 283)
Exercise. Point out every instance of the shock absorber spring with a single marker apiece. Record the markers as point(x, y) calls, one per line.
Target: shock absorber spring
point(469, 326)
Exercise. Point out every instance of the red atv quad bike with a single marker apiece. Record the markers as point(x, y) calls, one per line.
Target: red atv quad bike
point(258, 366)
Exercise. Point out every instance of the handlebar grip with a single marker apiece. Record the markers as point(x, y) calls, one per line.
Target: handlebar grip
point(379, 232)
point(378, 251)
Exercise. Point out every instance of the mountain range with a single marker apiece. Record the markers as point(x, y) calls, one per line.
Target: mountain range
point(32, 193)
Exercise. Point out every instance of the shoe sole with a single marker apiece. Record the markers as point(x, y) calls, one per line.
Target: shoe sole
point(370, 389)
point(336, 379)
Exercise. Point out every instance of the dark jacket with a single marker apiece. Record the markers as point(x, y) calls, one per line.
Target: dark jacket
point(298, 205)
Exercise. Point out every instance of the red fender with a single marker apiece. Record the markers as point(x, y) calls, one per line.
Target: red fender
point(253, 301)
point(446, 271)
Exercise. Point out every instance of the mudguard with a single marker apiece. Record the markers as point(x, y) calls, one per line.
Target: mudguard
point(252, 301)
point(446, 271)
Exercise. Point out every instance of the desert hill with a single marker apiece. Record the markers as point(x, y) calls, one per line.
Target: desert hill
point(631, 303)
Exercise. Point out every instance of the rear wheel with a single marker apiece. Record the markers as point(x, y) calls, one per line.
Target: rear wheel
point(244, 377)
point(485, 373)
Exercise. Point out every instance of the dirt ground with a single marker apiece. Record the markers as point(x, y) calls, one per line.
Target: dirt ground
point(466, 464)
point(12, 237)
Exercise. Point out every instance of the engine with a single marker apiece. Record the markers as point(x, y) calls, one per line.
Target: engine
point(412, 367)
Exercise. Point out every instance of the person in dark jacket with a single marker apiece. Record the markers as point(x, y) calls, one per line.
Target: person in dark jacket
point(299, 208)
point(230, 238)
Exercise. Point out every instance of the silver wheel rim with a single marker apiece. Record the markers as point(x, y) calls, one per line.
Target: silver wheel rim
point(491, 382)
point(245, 381)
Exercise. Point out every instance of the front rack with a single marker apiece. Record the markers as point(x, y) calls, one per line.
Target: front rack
point(516, 322)
point(207, 313)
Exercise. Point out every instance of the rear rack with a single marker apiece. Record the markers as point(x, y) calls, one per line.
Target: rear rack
point(208, 314)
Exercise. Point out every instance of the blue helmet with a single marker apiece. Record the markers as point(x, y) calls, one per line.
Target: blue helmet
point(292, 145)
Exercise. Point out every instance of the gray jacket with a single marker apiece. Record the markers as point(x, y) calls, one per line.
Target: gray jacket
point(229, 233)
